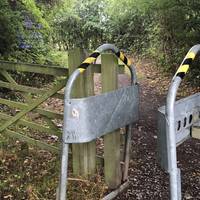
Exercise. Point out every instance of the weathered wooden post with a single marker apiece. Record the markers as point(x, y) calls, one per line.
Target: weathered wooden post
point(83, 155)
point(196, 132)
point(112, 169)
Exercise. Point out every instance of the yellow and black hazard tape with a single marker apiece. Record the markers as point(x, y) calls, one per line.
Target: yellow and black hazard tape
point(88, 61)
point(123, 58)
point(183, 69)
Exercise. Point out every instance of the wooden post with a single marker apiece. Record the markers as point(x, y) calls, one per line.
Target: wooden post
point(83, 155)
point(112, 169)
point(196, 132)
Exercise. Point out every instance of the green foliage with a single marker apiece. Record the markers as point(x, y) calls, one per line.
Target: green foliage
point(177, 30)
point(32, 8)
point(9, 25)
point(161, 29)
point(127, 28)
point(14, 32)
point(55, 57)
point(79, 25)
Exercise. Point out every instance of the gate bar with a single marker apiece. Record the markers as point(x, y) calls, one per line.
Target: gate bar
point(174, 172)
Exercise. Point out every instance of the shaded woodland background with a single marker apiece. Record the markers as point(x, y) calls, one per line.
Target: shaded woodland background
point(40, 31)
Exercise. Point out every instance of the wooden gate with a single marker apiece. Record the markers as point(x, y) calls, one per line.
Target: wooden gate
point(22, 105)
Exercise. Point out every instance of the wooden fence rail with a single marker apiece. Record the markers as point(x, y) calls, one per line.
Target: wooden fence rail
point(19, 110)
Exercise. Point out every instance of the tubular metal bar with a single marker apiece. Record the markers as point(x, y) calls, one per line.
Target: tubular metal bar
point(174, 172)
point(170, 127)
point(68, 89)
point(65, 146)
point(115, 50)
point(63, 175)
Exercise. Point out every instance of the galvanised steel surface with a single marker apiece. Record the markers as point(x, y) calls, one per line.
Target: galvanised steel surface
point(186, 113)
point(168, 137)
point(94, 116)
point(88, 118)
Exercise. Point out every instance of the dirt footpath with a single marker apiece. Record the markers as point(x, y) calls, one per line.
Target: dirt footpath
point(148, 180)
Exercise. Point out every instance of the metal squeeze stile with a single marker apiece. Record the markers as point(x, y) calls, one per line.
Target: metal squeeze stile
point(86, 119)
point(175, 122)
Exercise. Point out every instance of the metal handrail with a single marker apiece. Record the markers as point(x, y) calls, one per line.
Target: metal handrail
point(84, 65)
point(175, 186)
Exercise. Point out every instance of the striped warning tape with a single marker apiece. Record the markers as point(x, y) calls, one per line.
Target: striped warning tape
point(123, 58)
point(184, 67)
point(92, 57)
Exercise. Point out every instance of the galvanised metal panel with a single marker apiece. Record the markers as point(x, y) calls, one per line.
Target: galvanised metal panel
point(187, 114)
point(91, 117)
